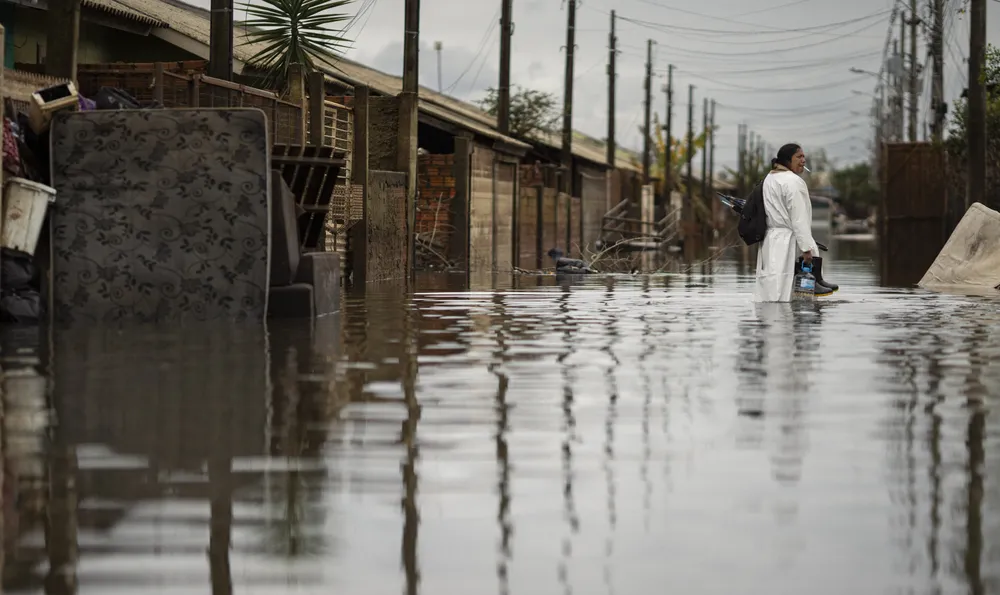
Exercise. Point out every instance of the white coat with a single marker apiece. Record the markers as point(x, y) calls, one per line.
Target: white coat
point(789, 234)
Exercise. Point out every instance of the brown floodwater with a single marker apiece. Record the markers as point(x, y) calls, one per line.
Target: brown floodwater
point(612, 434)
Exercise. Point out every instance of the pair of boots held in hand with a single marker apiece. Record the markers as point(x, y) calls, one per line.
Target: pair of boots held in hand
point(823, 287)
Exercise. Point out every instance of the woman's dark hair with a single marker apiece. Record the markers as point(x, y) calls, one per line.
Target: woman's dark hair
point(785, 155)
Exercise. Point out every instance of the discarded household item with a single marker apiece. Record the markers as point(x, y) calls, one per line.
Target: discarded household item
point(24, 206)
point(804, 284)
point(21, 306)
point(196, 244)
point(971, 257)
point(46, 102)
point(112, 98)
point(17, 269)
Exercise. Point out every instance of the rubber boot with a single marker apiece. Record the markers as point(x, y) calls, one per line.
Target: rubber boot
point(821, 288)
point(818, 273)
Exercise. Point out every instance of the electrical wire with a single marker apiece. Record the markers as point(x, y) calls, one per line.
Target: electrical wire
point(772, 50)
point(815, 29)
point(709, 16)
point(495, 23)
point(771, 8)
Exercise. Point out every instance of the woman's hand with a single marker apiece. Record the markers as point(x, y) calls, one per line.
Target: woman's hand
point(807, 257)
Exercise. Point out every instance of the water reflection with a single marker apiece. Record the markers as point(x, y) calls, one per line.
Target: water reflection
point(510, 440)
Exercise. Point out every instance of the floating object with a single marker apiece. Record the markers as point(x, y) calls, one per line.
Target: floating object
point(971, 257)
point(24, 206)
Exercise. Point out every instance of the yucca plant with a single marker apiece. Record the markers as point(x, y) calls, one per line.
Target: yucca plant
point(301, 32)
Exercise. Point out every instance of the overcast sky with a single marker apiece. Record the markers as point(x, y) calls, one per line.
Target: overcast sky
point(781, 66)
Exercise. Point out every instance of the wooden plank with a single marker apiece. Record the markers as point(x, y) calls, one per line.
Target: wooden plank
point(319, 166)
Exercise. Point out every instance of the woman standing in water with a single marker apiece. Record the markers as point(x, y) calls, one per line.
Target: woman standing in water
point(789, 226)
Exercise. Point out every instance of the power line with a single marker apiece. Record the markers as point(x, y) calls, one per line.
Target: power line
point(495, 22)
point(770, 8)
point(816, 29)
point(825, 62)
point(770, 51)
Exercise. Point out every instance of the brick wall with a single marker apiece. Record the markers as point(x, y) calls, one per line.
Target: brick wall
point(436, 187)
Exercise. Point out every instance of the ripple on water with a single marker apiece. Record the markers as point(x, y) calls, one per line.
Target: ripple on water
point(601, 435)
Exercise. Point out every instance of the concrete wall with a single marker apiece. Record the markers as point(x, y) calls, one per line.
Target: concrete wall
point(527, 222)
point(387, 253)
point(504, 218)
point(383, 132)
point(594, 195)
point(481, 213)
point(551, 236)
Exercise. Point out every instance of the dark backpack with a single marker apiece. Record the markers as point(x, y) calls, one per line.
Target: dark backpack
point(753, 220)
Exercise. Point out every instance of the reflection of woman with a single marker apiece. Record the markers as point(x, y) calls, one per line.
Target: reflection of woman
point(789, 232)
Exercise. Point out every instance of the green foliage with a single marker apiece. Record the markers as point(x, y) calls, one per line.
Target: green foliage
point(858, 194)
point(678, 151)
point(956, 144)
point(293, 32)
point(531, 112)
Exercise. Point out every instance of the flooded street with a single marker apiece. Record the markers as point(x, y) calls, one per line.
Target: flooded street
point(607, 435)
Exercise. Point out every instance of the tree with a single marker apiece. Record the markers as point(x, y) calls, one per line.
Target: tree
point(532, 113)
point(293, 32)
point(858, 194)
point(956, 145)
point(678, 155)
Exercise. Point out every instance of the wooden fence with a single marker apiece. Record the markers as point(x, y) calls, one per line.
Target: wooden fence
point(912, 218)
point(176, 84)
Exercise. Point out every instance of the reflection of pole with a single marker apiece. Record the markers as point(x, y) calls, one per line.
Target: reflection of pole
point(411, 514)
point(220, 532)
point(974, 507)
point(61, 520)
point(503, 480)
point(569, 430)
point(609, 429)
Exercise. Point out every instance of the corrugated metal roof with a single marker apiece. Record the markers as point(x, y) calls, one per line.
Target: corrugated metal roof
point(117, 9)
point(193, 22)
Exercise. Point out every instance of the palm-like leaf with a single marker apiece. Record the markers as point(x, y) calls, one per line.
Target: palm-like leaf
point(293, 32)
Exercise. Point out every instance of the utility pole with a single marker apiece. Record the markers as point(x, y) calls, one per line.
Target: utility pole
point(406, 154)
point(901, 88)
point(646, 130)
point(503, 93)
point(976, 128)
point(567, 131)
point(411, 46)
point(711, 152)
point(438, 46)
point(689, 203)
point(669, 177)
point(704, 149)
point(740, 158)
point(937, 84)
point(914, 20)
point(612, 59)
point(220, 43)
